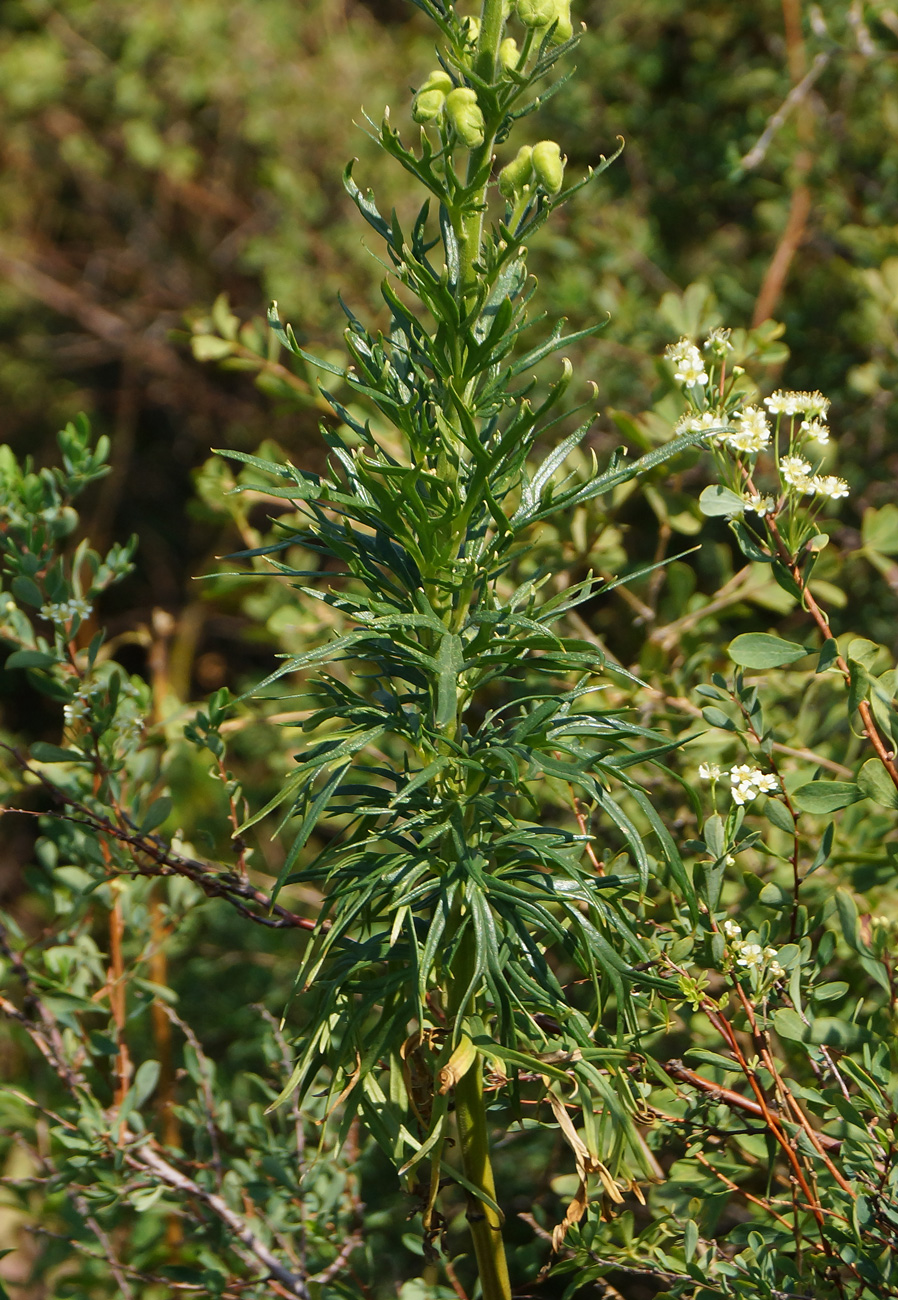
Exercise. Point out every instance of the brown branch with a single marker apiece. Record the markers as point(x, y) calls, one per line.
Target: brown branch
point(162, 861)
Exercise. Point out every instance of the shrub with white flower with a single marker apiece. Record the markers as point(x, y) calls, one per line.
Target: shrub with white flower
point(769, 452)
point(748, 782)
point(751, 957)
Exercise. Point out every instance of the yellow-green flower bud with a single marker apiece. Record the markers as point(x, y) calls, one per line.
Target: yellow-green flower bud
point(564, 28)
point(509, 53)
point(472, 30)
point(465, 116)
point(428, 104)
point(517, 174)
point(437, 80)
point(548, 165)
point(538, 13)
point(429, 101)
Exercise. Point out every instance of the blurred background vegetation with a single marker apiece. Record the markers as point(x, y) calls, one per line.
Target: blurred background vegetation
point(167, 167)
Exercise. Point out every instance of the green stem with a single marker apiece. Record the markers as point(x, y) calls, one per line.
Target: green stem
point(474, 1143)
point(483, 1221)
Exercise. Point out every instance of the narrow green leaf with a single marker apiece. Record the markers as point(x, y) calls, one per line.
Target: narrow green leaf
point(42, 752)
point(155, 815)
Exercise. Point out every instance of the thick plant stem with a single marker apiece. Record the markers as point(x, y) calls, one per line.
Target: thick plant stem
point(473, 1139)
point(484, 1222)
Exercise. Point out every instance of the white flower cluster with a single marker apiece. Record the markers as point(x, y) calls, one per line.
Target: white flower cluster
point(788, 403)
point(751, 956)
point(748, 782)
point(796, 472)
point(61, 612)
point(689, 368)
point(753, 433)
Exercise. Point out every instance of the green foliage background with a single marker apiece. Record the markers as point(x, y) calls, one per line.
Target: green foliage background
point(156, 155)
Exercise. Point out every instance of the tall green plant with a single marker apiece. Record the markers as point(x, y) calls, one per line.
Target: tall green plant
point(450, 901)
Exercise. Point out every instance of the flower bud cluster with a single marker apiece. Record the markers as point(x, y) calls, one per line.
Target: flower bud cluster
point(438, 99)
point(541, 164)
point(751, 956)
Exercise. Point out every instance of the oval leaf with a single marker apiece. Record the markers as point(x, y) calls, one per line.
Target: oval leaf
point(875, 783)
point(760, 650)
point(30, 659)
point(719, 500)
point(155, 815)
point(826, 796)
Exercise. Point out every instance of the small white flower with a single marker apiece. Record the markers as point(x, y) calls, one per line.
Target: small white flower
point(776, 970)
point(759, 505)
point(698, 423)
point(732, 930)
point(79, 607)
point(817, 430)
point(753, 432)
point(769, 952)
point(748, 782)
point(691, 370)
point(709, 771)
point(718, 342)
point(816, 405)
point(750, 954)
point(796, 472)
point(75, 710)
point(829, 485)
point(676, 352)
point(62, 611)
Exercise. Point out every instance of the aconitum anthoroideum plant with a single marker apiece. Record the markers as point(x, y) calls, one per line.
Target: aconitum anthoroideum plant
point(462, 709)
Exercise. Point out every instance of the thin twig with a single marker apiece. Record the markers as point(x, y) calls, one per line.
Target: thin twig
point(214, 882)
point(758, 151)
